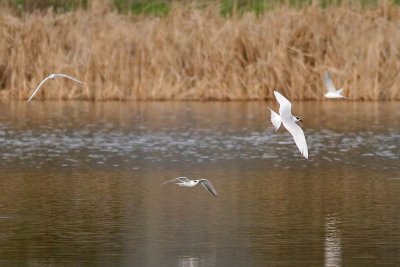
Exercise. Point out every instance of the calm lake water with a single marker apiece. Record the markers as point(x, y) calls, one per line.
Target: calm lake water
point(80, 185)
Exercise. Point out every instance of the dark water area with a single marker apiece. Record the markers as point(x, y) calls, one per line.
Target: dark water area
point(81, 185)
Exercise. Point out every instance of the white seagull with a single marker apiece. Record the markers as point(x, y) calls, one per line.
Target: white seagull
point(183, 181)
point(289, 121)
point(52, 77)
point(331, 89)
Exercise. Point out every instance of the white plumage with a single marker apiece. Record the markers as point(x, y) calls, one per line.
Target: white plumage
point(52, 77)
point(185, 182)
point(331, 89)
point(289, 122)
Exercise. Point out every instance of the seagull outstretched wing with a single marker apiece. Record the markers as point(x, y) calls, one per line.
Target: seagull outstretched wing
point(285, 107)
point(208, 186)
point(177, 179)
point(37, 88)
point(66, 76)
point(298, 136)
point(329, 84)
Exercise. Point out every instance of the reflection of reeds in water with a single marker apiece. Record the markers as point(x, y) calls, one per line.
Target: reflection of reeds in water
point(197, 54)
point(333, 247)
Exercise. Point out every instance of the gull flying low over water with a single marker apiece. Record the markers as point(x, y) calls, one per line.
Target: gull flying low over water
point(331, 89)
point(52, 77)
point(289, 121)
point(183, 181)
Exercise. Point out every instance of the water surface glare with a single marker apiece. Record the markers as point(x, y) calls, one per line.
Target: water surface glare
point(81, 185)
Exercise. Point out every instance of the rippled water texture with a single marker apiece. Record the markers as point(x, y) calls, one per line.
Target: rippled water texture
point(81, 185)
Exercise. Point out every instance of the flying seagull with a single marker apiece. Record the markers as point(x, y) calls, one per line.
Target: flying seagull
point(52, 77)
point(289, 121)
point(183, 181)
point(330, 88)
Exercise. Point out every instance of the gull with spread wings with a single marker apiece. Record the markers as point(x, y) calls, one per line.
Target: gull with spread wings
point(185, 182)
point(52, 77)
point(331, 89)
point(289, 121)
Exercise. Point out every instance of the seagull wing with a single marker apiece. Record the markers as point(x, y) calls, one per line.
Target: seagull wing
point(329, 84)
point(178, 179)
point(208, 186)
point(69, 77)
point(285, 107)
point(298, 136)
point(275, 119)
point(37, 88)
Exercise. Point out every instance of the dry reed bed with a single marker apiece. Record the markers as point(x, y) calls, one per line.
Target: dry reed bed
point(196, 54)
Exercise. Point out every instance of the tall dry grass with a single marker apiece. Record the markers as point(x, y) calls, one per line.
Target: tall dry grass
point(197, 54)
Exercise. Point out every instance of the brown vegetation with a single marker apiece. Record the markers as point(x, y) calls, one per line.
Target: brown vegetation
point(195, 54)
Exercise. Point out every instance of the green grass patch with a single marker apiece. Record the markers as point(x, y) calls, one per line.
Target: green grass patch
point(57, 5)
point(162, 7)
point(153, 8)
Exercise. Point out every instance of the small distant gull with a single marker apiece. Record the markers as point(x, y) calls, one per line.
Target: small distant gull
point(185, 182)
point(52, 77)
point(331, 89)
point(289, 121)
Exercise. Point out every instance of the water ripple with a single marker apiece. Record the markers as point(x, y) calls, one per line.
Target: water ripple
point(201, 145)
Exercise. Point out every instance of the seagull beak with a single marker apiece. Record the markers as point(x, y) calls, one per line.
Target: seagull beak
point(301, 120)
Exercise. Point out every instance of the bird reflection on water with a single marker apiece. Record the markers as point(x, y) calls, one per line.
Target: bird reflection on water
point(332, 243)
point(188, 262)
